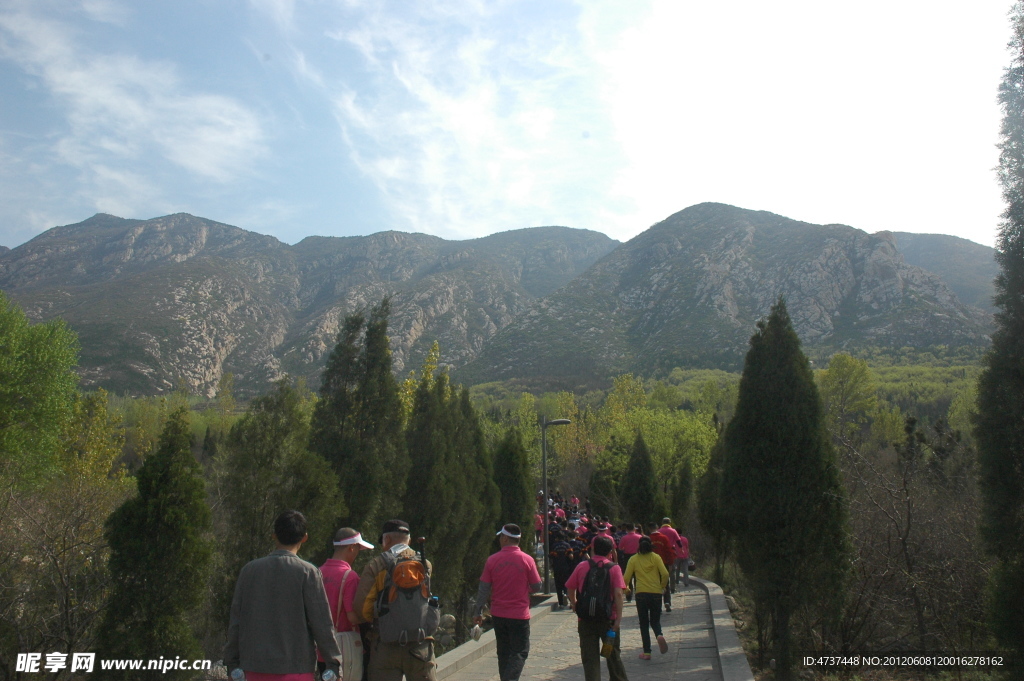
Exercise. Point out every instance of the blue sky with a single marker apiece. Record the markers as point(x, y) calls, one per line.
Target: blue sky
point(463, 118)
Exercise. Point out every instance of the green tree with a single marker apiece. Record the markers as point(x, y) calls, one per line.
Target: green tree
point(482, 512)
point(38, 389)
point(357, 423)
point(264, 468)
point(682, 491)
point(709, 508)
point(437, 498)
point(999, 424)
point(448, 487)
point(848, 393)
point(782, 498)
point(160, 554)
point(514, 480)
point(638, 490)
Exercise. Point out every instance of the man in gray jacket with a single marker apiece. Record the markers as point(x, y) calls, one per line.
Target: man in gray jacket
point(279, 601)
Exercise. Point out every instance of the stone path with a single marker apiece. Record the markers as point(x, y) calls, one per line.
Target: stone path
point(555, 652)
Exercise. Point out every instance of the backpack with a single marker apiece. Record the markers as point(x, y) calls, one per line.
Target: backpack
point(405, 610)
point(663, 547)
point(595, 598)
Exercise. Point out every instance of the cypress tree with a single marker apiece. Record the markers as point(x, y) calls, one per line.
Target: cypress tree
point(781, 495)
point(483, 507)
point(514, 480)
point(159, 556)
point(264, 469)
point(440, 501)
point(999, 425)
point(709, 513)
point(356, 424)
point(427, 438)
point(682, 491)
point(450, 497)
point(638, 490)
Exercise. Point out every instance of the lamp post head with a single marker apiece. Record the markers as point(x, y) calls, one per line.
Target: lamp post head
point(558, 422)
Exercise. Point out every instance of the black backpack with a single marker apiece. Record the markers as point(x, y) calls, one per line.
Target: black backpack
point(595, 598)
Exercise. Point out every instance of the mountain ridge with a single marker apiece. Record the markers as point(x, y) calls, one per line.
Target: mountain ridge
point(184, 299)
point(181, 298)
point(688, 291)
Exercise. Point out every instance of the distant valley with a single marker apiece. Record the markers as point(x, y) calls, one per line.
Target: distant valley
point(184, 299)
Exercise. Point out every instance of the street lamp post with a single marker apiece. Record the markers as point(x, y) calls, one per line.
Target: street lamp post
point(544, 423)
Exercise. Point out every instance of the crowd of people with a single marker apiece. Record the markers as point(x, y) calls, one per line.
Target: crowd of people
point(293, 622)
point(648, 567)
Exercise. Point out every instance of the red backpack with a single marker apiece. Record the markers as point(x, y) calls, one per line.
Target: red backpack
point(661, 545)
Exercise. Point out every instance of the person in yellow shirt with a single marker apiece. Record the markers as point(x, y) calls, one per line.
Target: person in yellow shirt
point(651, 580)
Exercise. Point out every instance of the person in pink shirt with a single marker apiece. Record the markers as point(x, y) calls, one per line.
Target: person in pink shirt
point(683, 560)
point(673, 538)
point(593, 633)
point(559, 513)
point(509, 577)
point(338, 573)
point(602, 531)
point(628, 546)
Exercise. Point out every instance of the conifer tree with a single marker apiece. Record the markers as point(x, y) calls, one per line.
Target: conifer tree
point(682, 491)
point(357, 421)
point(265, 468)
point(638, 490)
point(437, 503)
point(428, 446)
point(159, 557)
point(482, 512)
point(999, 426)
point(514, 479)
point(781, 495)
point(709, 493)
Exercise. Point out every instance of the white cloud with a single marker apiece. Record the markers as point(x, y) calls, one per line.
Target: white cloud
point(121, 111)
point(468, 125)
point(474, 117)
point(107, 11)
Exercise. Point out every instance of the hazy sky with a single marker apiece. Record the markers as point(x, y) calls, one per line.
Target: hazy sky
point(461, 118)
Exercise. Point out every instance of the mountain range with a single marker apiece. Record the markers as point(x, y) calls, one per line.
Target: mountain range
point(185, 299)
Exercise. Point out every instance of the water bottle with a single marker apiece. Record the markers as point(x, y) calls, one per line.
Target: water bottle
point(238, 674)
point(609, 644)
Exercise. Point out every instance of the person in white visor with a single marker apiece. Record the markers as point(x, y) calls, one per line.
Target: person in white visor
point(509, 577)
point(340, 583)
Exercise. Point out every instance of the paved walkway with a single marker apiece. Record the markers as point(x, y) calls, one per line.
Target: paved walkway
point(555, 651)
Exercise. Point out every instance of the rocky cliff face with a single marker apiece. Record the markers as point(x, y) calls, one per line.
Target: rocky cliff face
point(183, 298)
point(688, 292)
point(968, 268)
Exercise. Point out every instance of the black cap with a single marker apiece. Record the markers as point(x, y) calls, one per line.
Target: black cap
point(396, 526)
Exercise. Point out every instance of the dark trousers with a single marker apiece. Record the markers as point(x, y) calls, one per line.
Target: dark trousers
point(648, 609)
point(623, 561)
point(560, 580)
point(592, 635)
point(513, 641)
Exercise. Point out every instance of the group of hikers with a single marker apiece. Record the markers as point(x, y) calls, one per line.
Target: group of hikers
point(647, 567)
point(291, 621)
